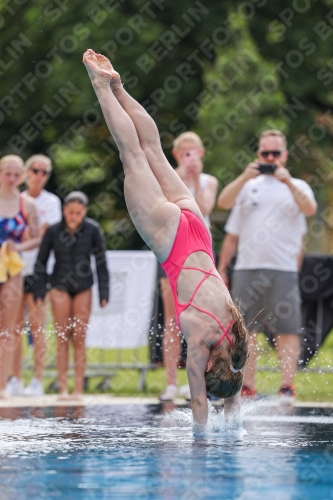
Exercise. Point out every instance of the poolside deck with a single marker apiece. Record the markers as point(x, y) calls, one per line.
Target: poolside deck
point(108, 399)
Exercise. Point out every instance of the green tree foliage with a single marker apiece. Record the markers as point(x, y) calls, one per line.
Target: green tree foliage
point(242, 98)
point(49, 104)
point(165, 52)
point(296, 38)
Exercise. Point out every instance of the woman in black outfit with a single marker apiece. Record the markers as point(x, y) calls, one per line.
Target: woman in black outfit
point(73, 241)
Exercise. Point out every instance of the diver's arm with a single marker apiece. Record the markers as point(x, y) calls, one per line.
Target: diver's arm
point(197, 359)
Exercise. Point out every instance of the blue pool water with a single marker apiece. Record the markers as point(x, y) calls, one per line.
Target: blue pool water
point(139, 452)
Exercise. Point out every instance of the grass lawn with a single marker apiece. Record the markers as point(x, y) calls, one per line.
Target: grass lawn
point(310, 386)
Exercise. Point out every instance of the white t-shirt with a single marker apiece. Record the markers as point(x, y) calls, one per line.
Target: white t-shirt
point(203, 180)
point(49, 212)
point(269, 224)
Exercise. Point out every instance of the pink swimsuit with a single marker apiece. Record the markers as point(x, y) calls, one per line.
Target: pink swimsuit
point(192, 236)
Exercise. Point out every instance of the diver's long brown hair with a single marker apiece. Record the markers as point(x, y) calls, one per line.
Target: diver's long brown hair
point(220, 380)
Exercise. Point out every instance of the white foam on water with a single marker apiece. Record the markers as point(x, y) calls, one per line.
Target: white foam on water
point(289, 418)
point(251, 411)
point(182, 417)
point(179, 417)
point(43, 436)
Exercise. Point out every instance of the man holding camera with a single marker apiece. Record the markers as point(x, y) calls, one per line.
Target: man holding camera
point(267, 224)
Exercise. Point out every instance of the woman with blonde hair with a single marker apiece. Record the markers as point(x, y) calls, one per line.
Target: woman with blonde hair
point(17, 212)
point(37, 171)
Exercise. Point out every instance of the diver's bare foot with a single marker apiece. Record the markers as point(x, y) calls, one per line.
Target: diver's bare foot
point(105, 64)
point(99, 72)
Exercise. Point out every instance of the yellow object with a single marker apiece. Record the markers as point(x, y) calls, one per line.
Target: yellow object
point(10, 263)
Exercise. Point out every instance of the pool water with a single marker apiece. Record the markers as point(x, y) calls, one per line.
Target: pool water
point(148, 452)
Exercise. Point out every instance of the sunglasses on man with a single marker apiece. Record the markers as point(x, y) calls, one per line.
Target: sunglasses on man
point(39, 170)
point(275, 154)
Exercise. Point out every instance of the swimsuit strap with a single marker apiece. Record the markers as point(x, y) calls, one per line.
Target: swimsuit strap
point(225, 333)
point(224, 330)
point(22, 208)
point(207, 274)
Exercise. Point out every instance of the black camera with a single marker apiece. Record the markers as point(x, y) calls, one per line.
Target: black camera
point(267, 168)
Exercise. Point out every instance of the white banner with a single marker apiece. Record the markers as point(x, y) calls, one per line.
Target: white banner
point(124, 322)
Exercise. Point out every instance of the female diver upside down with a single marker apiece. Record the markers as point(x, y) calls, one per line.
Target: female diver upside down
point(169, 220)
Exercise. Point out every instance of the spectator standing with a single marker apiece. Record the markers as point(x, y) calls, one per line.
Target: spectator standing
point(17, 212)
point(37, 171)
point(188, 151)
point(267, 224)
point(73, 241)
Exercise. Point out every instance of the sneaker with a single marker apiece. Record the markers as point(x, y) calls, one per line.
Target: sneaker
point(248, 393)
point(184, 391)
point(34, 388)
point(287, 394)
point(14, 387)
point(169, 394)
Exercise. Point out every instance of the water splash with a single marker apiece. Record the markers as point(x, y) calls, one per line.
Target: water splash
point(182, 418)
point(265, 410)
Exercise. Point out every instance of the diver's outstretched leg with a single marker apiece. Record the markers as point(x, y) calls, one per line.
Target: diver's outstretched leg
point(172, 186)
point(155, 218)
